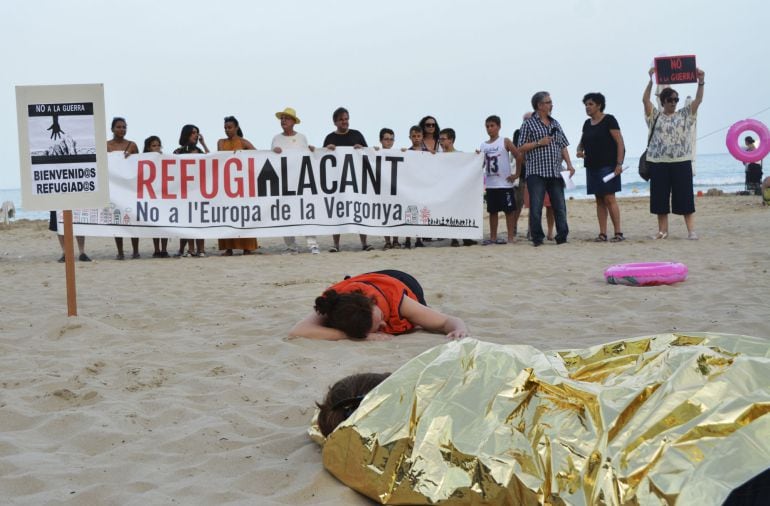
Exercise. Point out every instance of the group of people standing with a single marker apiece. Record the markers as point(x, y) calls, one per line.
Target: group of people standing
point(191, 141)
point(539, 149)
point(424, 136)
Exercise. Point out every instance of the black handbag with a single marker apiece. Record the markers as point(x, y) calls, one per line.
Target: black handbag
point(644, 168)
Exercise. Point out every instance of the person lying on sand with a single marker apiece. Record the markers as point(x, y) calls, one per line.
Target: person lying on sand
point(502, 423)
point(374, 306)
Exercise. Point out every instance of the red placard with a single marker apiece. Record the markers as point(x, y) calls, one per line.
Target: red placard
point(676, 69)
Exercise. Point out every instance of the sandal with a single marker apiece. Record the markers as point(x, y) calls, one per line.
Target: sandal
point(333, 249)
point(661, 235)
point(367, 247)
point(618, 237)
point(487, 242)
point(601, 238)
point(500, 240)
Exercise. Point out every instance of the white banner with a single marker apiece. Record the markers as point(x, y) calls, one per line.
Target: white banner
point(264, 194)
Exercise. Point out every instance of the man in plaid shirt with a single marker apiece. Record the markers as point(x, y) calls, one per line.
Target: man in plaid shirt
point(544, 145)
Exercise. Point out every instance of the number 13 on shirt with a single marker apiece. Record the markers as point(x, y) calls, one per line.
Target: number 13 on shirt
point(490, 162)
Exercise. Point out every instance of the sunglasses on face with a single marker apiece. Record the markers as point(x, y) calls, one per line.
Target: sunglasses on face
point(430, 125)
point(673, 100)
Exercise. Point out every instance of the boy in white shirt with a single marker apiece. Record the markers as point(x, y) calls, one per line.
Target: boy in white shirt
point(499, 180)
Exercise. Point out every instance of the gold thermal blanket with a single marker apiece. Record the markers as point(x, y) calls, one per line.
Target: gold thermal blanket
point(670, 418)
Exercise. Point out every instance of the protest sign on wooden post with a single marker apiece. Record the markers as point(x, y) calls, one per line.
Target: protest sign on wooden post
point(62, 156)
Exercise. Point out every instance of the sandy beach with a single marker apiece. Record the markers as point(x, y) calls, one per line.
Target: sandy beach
point(177, 384)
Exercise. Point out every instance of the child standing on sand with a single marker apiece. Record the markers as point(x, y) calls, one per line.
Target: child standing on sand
point(499, 180)
point(416, 136)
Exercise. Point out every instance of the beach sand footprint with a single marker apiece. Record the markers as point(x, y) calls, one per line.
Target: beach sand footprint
point(218, 371)
point(142, 379)
point(95, 368)
point(73, 398)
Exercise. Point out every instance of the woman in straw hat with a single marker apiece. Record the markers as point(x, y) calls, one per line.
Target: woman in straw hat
point(286, 140)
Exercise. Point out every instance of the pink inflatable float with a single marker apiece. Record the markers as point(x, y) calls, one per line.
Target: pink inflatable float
point(733, 140)
point(646, 274)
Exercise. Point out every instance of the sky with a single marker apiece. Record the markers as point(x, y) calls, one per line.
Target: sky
point(170, 62)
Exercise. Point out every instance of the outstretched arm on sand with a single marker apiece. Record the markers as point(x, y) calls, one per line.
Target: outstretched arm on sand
point(432, 320)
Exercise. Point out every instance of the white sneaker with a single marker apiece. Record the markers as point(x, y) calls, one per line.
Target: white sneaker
point(314, 250)
point(692, 236)
point(291, 251)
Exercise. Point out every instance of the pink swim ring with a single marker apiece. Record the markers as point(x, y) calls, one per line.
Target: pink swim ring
point(733, 140)
point(646, 274)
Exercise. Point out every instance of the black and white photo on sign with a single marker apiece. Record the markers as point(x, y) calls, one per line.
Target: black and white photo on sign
point(61, 135)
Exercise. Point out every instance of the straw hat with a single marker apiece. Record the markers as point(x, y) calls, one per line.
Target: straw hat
point(288, 112)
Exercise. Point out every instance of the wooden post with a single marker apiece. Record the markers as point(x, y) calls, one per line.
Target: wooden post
point(69, 264)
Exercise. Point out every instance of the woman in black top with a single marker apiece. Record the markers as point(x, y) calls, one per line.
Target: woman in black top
point(603, 150)
point(188, 144)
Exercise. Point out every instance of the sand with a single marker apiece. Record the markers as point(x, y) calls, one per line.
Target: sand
point(177, 384)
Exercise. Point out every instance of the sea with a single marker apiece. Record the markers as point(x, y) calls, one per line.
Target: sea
point(720, 171)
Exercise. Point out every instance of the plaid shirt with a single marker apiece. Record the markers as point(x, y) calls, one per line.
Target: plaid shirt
point(544, 161)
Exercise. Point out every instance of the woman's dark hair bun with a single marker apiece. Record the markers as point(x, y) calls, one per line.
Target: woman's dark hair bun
point(326, 302)
point(350, 312)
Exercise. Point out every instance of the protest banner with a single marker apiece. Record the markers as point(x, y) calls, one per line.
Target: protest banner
point(265, 194)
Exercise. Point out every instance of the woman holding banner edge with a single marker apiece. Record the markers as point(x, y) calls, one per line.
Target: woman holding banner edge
point(120, 143)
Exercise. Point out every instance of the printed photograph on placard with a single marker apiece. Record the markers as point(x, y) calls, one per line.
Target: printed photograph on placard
point(62, 146)
point(61, 133)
